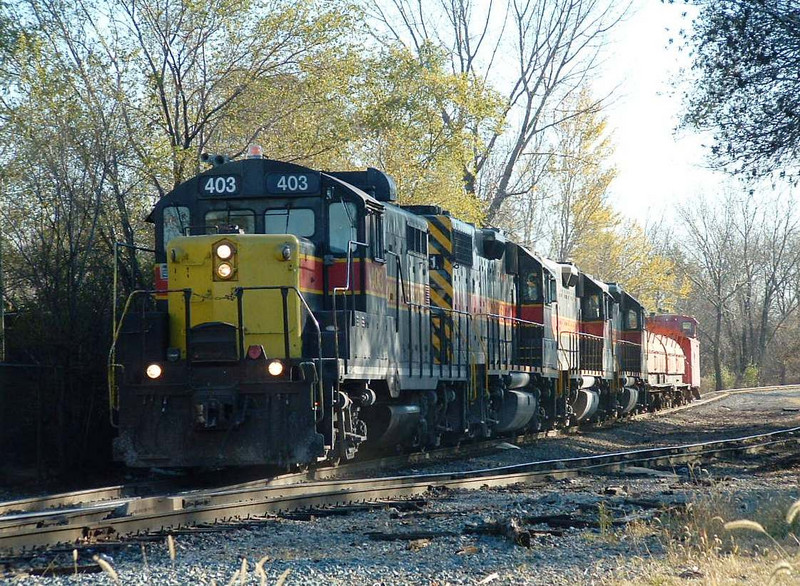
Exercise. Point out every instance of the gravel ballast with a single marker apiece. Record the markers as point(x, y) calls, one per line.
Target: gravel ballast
point(340, 549)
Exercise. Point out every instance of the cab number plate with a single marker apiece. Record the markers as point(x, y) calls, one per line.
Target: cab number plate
point(292, 183)
point(220, 185)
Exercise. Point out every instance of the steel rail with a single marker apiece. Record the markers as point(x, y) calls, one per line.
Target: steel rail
point(165, 513)
point(62, 502)
point(50, 503)
point(115, 528)
point(72, 507)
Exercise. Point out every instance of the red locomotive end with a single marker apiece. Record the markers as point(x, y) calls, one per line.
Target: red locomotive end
point(682, 329)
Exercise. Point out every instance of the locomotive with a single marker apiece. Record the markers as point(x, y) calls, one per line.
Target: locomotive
point(299, 316)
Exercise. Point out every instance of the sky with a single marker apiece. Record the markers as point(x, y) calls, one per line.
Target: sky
point(658, 168)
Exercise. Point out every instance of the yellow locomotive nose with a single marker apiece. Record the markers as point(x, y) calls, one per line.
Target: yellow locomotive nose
point(217, 269)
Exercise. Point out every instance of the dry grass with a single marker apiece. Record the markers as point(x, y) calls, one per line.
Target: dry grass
point(605, 531)
point(107, 568)
point(722, 538)
point(686, 567)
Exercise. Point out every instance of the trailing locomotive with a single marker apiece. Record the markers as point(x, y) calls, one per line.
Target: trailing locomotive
point(300, 316)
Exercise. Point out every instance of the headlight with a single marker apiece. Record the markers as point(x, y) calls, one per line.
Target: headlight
point(153, 371)
point(224, 251)
point(224, 270)
point(275, 368)
point(286, 252)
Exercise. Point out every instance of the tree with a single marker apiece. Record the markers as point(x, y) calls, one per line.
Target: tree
point(767, 254)
point(535, 53)
point(104, 111)
point(194, 76)
point(415, 118)
point(9, 33)
point(572, 197)
point(570, 201)
point(744, 260)
point(55, 210)
point(580, 177)
point(783, 361)
point(711, 270)
point(628, 255)
point(746, 60)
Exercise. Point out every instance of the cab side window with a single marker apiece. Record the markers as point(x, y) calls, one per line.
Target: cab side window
point(552, 295)
point(342, 227)
point(591, 307)
point(376, 245)
point(532, 288)
point(176, 221)
point(631, 320)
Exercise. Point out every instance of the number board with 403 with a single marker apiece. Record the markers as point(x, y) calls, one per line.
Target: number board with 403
point(276, 184)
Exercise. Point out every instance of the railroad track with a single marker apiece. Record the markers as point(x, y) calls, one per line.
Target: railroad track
point(96, 504)
point(114, 495)
point(116, 520)
point(27, 522)
point(117, 494)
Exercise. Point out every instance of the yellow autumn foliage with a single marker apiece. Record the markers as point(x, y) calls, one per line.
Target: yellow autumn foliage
point(418, 123)
point(586, 227)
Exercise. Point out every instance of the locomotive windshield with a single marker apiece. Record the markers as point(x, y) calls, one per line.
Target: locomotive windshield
point(245, 220)
point(298, 221)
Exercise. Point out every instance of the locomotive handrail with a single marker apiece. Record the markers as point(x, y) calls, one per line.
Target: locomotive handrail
point(470, 317)
point(187, 295)
point(110, 364)
point(568, 350)
point(442, 311)
point(434, 310)
point(512, 318)
point(574, 354)
point(350, 244)
point(588, 335)
point(400, 287)
point(593, 354)
point(651, 351)
point(622, 356)
point(115, 282)
point(239, 293)
point(410, 304)
point(506, 318)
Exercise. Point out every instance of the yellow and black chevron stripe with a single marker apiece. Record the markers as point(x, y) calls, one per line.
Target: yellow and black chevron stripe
point(441, 286)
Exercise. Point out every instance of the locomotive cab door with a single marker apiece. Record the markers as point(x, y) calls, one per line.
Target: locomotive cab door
point(343, 254)
point(550, 320)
